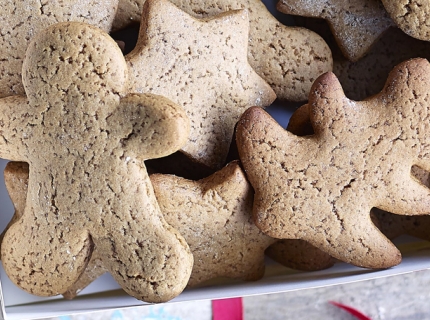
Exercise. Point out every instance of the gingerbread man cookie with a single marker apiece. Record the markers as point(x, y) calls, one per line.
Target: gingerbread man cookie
point(321, 188)
point(201, 65)
point(411, 16)
point(214, 216)
point(85, 141)
point(21, 20)
point(356, 24)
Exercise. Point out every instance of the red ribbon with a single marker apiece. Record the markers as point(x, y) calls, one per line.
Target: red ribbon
point(351, 310)
point(227, 309)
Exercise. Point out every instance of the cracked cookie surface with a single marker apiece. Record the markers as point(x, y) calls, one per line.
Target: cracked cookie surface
point(289, 59)
point(214, 216)
point(202, 66)
point(321, 188)
point(21, 20)
point(412, 16)
point(85, 140)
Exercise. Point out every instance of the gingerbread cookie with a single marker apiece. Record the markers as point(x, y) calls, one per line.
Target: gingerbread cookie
point(411, 16)
point(201, 65)
point(289, 59)
point(393, 48)
point(214, 216)
point(16, 181)
point(21, 20)
point(395, 225)
point(356, 24)
point(85, 140)
point(321, 188)
point(299, 255)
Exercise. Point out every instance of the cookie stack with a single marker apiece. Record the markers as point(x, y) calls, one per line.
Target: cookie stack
point(79, 120)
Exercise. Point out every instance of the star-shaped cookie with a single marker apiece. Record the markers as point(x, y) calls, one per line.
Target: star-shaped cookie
point(21, 20)
point(214, 216)
point(411, 16)
point(321, 188)
point(202, 66)
point(289, 59)
point(356, 24)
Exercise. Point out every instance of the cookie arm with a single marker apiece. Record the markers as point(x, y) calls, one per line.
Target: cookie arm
point(15, 127)
point(158, 127)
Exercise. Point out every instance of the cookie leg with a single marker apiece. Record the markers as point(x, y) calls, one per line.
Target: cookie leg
point(94, 270)
point(39, 269)
point(360, 243)
point(147, 261)
point(411, 198)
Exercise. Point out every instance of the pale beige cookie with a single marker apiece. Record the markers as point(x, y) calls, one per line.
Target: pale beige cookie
point(289, 59)
point(355, 24)
point(321, 188)
point(202, 66)
point(299, 255)
point(21, 20)
point(412, 16)
point(85, 140)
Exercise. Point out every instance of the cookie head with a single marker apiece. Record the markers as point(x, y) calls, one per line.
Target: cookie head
point(80, 66)
point(23, 20)
point(73, 74)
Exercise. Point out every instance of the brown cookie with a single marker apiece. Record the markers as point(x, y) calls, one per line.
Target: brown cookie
point(201, 65)
point(289, 59)
point(411, 16)
point(16, 181)
point(321, 188)
point(299, 255)
point(356, 24)
point(395, 225)
point(391, 225)
point(85, 140)
point(21, 20)
point(367, 76)
point(214, 216)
